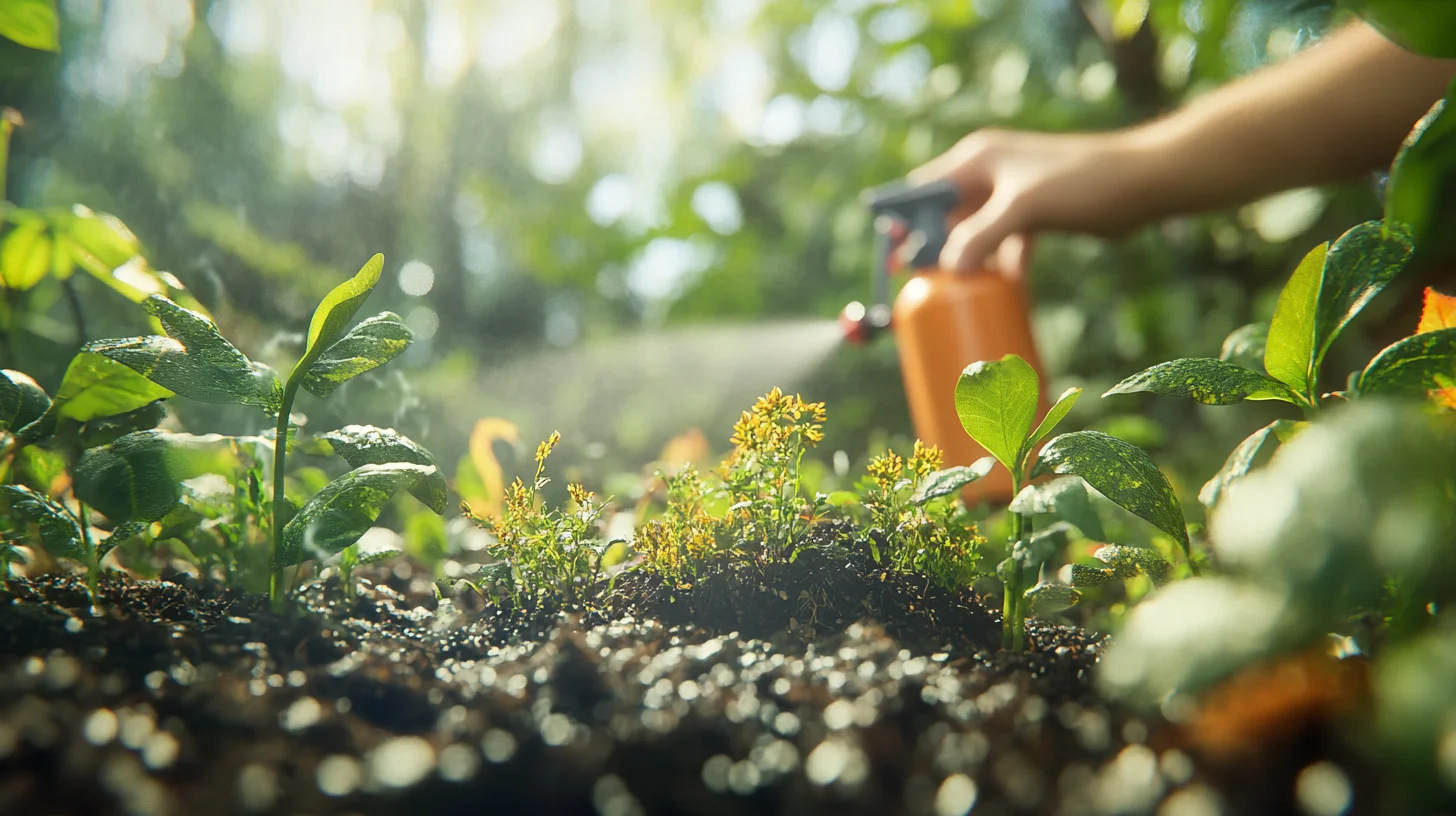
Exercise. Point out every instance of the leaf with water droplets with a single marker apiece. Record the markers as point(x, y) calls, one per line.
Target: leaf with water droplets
point(1205, 380)
point(59, 534)
point(1120, 471)
point(1046, 599)
point(194, 360)
point(367, 346)
point(344, 510)
point(1416, 366)
point(1065, 498)
point(367, 445)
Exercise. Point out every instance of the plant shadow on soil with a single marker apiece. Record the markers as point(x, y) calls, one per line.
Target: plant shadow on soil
point(825, 685)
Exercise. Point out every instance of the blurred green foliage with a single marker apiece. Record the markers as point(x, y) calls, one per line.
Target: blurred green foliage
point(562, 174)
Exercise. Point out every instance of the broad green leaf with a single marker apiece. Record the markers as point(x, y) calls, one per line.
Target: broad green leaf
point(32, 23)
point(22, 400)
point(951, 480)
point(1414, 366)
point(105, 430)
point(95, 386)
point(1245, 345)
point(120, 534)
point(368, 345)
point(1084, 576)
point(25, 256)
point(1054, 416)
point(1359, 265)
point(996, 401)
point(344, 510)
point(1422, 26)
point(367, 445)
point(1421, 191)
point(1049, 541)
point(1065, 498)
point(1289, 355)
point(334, 313)
point(59, 534)
point(194, 360)
point(38, 430)
point(1205, 380)
point(102, 239)
point(1046, 599)
point(1122, 473)
point(41, 466)
point(139, 476)
point(1249, 454)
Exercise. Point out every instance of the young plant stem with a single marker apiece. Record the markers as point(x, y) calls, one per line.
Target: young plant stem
point(280, 455)
point(78, 315)
point(1013, 623)
point(93, 564)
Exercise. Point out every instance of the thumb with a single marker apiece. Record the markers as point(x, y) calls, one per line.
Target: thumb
point(974, 240)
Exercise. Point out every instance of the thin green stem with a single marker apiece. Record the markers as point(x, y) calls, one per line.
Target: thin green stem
point(280, 456)
point(93, 564)
point(1012, 628)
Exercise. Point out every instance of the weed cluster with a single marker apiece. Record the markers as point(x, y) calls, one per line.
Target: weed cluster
point(544, 553)
point(921, 533)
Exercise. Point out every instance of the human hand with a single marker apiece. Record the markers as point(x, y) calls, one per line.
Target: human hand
point(1014, 184)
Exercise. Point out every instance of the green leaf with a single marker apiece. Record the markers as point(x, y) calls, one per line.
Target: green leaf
point(1205, 380)
point(1065, 498)
point(1421, 191)
point(139, 476)
point(1422, 26)
point(368, 345)
point(1411, 367)
point(59, 534)
point(334, 313)
point(1084, 576)
point(1289, 355)
point(1122, 473)
point(32, 23)
point(1046, 599)
point(41, 466)
point(95, 386)
point(1054, 416)
point(344, 510)
point(22, 401)
point(1249, 454)
point(996, 401)
point(120, 534)
point(1245, 345)
point(951, 480)
point(102, 240)
point(1359, 265)
point(367, 445)
point(25, 255)
point(194, 360)
point(105, 430)
point(1129, 562)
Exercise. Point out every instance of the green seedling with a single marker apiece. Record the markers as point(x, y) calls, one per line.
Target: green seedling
point(194, 360)
point(997, 402)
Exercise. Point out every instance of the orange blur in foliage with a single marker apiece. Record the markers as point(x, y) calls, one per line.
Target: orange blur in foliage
point(1439, 312)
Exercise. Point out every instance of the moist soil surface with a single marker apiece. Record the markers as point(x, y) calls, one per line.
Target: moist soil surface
point(817, 686)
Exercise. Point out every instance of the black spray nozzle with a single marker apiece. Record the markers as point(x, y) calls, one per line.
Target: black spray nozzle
point(924, 211)
point(910, 221)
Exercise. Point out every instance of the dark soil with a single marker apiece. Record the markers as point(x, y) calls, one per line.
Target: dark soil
point(821, 686)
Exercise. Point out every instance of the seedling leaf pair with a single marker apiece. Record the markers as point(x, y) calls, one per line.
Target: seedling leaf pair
point(997, 401)
point(344, 510)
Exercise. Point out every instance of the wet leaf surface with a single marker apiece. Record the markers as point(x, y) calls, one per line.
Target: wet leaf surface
point(1205, 380)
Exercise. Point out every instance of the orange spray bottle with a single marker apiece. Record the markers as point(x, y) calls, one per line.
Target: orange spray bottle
point(942, 321)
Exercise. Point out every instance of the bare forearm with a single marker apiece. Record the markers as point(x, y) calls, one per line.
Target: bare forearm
point(1332, 112)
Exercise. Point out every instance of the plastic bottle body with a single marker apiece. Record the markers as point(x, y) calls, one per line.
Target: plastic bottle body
point(942, 324)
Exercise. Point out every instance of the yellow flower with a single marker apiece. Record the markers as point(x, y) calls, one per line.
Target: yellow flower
point(544, 449)
point(579, 494)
